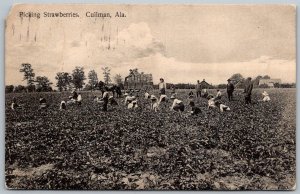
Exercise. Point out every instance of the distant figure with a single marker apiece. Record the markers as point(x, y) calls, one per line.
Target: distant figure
point(79, 99)
point(14, 104)
point(133, 104)
point(266, 97)
point(198, 89)
point(105, 97)
point(129, 98)
point(205, 93)
point(221, 106)
point(173, 89)
point(162, 86)
point(177, 104)
point(63, 105)
point(43, 103)
point(219, 95)
point(74, 95)
point(248, 90)
point(230, 89)
point(213, 103)
point(191, 94)
point(154, 103)
point(195, 110)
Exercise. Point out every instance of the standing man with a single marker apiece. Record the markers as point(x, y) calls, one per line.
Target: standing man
point(248, 90)
point(198, 89)
point(230, 89)
point(162, 86)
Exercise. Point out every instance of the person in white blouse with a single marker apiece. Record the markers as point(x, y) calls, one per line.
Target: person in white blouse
point(177, 104)
point(162, 86)
point(266, 97)
point(154, 103)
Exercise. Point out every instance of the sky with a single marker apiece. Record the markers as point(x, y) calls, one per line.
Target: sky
point(181, 43)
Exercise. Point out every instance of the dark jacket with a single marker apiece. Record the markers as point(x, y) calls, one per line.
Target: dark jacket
point(230, 87)
point(248, 87)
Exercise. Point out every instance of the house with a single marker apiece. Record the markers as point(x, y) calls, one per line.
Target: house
point(269, 82)
point(205, 85)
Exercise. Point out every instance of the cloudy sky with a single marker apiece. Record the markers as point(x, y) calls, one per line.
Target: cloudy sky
point(181, 43)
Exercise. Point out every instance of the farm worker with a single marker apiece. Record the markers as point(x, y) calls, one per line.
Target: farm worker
point(105, 97)
point(221, 106)
point(163, 98)
point(191, 94)
point(211, 102)
point(71, 100)
point(198, 89)
point(133, 104)
point(205, 93)
point(230, 89)
point(129, 98)
point(147, 95)
point(266, 97)
point(112, 101)
point(173, 89)
point(162, 86)
point(43, 103)
point(63, 105)
point(195, 110)
point(14, 104)
point(154, 103)
point(74, 95)
point(177, 104)
point(248, 90)
point(219, 95)
point(79, 99)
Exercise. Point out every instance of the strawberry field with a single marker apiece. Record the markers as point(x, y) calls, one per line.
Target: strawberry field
point(251, 147)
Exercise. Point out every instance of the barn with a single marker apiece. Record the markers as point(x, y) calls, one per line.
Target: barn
point(269, 82)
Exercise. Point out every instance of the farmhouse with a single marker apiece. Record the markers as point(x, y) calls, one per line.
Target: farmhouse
point(269, 82)
point(137, 80)
point(205, 85)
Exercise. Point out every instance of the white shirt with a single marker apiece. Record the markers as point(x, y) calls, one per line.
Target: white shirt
point(211, 102)
point(79, 98)
point(163, 96)
point(162, 85)
point(147, 95)
point(105, 94)
point(175, 102)
point(219, 94)
point(129, 98)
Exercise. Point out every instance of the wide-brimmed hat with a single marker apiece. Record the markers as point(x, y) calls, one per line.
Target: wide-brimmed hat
point(229, 80)
point(126, 94)
point(152, 97)
point(173, 96)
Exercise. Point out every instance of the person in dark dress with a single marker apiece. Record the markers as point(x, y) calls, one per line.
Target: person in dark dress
point(198, 89)
point(248, 90)
point(195, 110)
point(230, 89)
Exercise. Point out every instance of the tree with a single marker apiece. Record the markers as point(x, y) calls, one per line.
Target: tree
point(118, 79)
point(9, 88)
point(78, 77)
point(43, 84)
point(238, 80)
point(106, 74)
point(93, 79)
point(20, 88)
point(64, 80)
point(28, 73)
point(266, 77)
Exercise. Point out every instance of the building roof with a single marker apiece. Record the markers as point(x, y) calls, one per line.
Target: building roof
point(269, 81)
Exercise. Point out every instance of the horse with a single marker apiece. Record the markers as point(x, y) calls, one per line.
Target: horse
point(115, 89)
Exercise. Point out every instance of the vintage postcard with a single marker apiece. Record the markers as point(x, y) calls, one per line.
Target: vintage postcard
point(150, 97)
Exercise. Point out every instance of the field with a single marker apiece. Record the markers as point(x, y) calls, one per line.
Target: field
point(250, 147)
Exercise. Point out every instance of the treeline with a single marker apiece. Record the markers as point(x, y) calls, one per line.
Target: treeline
point(65, 81)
